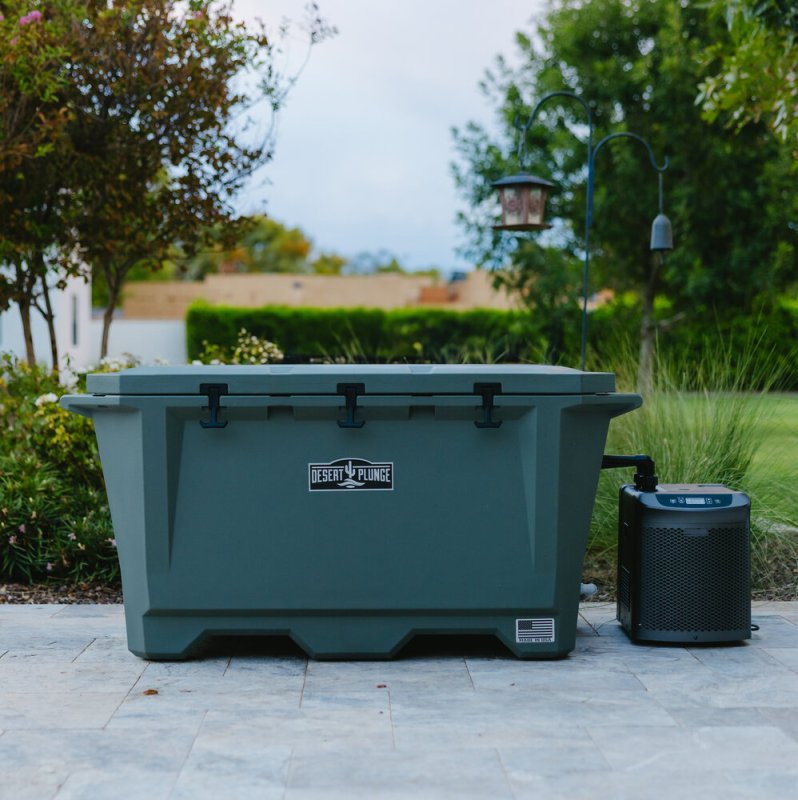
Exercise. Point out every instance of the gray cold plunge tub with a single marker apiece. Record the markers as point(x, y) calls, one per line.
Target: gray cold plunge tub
point(351, 507)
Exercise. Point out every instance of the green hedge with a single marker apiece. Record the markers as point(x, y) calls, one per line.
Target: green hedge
point(361, 334)
point(367, 334)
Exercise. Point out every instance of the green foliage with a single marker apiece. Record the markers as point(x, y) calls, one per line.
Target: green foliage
point(144, 148)
point(249, 349)
point(54, 517)
point(371, 334)
point(260, 244)
point(754, 70)
point(440, 335)
point(637, 63)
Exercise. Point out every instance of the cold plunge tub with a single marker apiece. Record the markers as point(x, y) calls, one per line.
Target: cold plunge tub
point(351, 507)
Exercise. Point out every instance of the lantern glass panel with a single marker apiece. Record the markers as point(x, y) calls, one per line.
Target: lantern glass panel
point(512, 206)
point(535, 202)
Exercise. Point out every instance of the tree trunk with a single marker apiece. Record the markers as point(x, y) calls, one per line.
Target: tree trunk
point(108, 315)
point(114, 284)
point(24, 314)
point(49, 317)
point(648, 328)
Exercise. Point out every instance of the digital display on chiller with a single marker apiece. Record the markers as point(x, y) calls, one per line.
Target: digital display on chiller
point(695, 501)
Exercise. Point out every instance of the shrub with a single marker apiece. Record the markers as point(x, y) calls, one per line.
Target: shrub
point(249, 349)
point(366, 334)
point(54, 517)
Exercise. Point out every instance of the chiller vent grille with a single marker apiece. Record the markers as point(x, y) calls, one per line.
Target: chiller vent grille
point(624, 587)
point(690, 579)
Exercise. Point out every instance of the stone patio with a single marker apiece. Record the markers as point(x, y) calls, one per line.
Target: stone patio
point(80, 717)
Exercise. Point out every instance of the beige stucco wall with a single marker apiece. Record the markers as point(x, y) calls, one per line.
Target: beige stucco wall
point(161, 300)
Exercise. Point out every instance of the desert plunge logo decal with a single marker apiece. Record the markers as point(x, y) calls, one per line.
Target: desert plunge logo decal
point(350, 474)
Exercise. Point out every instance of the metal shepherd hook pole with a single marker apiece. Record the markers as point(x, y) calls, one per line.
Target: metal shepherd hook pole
point(661, 236)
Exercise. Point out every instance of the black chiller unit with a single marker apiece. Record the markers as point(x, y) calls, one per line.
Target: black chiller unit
point(684, 565)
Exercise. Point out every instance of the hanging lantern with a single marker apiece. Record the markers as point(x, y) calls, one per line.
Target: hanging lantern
point(523, 201)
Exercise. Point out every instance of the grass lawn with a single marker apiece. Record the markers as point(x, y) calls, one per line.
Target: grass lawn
point(776, 460)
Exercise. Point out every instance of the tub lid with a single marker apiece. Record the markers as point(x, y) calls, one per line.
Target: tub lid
point(390, 379)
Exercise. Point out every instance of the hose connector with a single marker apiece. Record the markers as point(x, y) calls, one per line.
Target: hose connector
point(645, 476)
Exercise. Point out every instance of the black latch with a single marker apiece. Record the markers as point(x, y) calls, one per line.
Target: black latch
point(487, 391)
point(350, 391)
point(214, 392)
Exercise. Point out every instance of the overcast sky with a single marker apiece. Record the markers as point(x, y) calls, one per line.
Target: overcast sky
point(364, 143)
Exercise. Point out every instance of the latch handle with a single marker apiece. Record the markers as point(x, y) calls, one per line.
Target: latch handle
point(214, 392)
point(487, 391)
point(350, 391)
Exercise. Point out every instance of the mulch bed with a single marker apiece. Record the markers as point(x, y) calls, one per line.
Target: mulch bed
point(775, 579)
point(55, 593)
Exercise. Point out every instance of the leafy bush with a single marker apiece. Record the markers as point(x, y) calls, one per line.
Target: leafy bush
point(54, 517)
point(249, 349)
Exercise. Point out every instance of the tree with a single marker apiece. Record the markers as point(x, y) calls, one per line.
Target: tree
point(33, 158)
point(638, 64)
point(258, 244)
point(153, 139)
point(159, 93)
point(754, 71)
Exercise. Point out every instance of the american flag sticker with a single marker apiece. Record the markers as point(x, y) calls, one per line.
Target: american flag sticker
point(534, 631)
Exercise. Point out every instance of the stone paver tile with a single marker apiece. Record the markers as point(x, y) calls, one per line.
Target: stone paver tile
point(82, 610)
point(338, 726)
point(23, 677)
point(774, 631)
point(227, 767)
point(693, 715)
point(157, 719)
point(786, 719)
point(719, 690)
point(29, 610)
point(361, 676)
point(619, 785)
point(30, 784)
point(410, 773)
point(604, 655)
point(56, 709)
point(115, 782)
point(551, 754)
point(109, 649)
point(784, 608)
point(201, 667)
point(30, 648)
point(556, 675)
point(697, 750)
point(49, 751)
point(503, 718)
point(785, 655)
point(158, 699)
point(249, 668)
point(739, 660)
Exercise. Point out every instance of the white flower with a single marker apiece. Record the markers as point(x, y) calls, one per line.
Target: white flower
point(50, 397)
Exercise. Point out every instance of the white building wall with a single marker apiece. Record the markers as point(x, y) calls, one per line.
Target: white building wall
point(78, 334)
point(149, 341)
point(72, 309)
